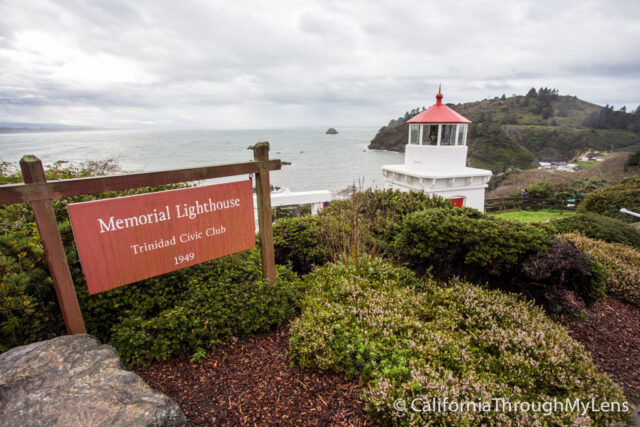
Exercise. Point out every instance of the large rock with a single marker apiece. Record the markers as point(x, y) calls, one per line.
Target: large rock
point(74, 380)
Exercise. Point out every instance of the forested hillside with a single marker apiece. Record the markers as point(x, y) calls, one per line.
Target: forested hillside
point(539, 126)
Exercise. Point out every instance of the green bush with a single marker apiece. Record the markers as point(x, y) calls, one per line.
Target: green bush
point(297, 244)
point(634, 159)
point(609, 200)
point(599, 227)
point(410, 339)
point(512, 255)
point(576, 189)
point(447, 240)
point(622, 265)
point(368, 221)
point(24, 290)
point(145, 321)
point(221, 299)
point(364, 223)
point(39, 317)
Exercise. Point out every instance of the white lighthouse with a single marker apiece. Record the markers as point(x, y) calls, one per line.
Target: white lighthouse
point(435, 159)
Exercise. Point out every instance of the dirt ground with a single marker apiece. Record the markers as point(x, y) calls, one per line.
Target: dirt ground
point(251, 383)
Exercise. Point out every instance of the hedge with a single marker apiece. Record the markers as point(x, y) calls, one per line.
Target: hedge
point(221, 299)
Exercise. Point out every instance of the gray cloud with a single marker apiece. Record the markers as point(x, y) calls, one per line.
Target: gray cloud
point(276, 63)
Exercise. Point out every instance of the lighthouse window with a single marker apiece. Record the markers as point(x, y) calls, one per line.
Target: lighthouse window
point(462, 134)
point(429, 134)
point(414, 134)
point(448, 135)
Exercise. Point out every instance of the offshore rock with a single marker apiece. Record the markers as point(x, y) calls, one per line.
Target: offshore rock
point(74, 380)
point(331, 131)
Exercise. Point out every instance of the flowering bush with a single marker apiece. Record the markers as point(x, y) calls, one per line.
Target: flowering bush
point(408, 338)
point(621, 262)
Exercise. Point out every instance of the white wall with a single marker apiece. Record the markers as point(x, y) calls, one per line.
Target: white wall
point(433, 157)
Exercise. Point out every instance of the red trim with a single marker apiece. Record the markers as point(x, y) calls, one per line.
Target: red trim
point(439, 113)
point(458, 202)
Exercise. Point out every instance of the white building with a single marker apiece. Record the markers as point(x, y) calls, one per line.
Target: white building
point(435, 159)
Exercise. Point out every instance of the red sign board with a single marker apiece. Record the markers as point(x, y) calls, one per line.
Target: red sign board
point(128, 239)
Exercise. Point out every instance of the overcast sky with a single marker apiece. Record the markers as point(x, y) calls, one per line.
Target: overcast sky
point(252, 64)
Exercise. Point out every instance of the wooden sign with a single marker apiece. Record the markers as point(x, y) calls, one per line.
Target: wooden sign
point(128, 239)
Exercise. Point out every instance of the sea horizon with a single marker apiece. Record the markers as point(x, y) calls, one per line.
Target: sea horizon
point(318, 161)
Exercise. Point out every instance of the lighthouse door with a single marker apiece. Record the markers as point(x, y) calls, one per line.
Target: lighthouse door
point(457, 202)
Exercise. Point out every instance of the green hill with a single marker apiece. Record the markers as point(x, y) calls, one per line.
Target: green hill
point(522, 129)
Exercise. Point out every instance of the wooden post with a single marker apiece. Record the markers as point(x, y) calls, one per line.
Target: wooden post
point(263, 196)
point(33, 173)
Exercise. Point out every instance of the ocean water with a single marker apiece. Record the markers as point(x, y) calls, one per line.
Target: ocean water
point(318, 161)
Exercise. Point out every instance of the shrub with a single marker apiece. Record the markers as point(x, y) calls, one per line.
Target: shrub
point(563, 267)
point(407, 338)
point(599, 227)
point(609, 200)
point(634, 159)
point(512, 255)
point(571, 188)
point(364, 223)
point(223, 299)
point(622, 265)
point(297, 243)
point(39, 317)
point(148, 320)
point(367, 222)
point(452, 240)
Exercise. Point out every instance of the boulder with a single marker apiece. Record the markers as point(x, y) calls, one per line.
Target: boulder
point(331, 131)
point(74, 380)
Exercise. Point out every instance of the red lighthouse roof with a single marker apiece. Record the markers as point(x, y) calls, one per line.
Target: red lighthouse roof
point(438, 113)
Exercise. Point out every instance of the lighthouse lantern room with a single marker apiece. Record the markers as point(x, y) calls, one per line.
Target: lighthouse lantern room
point(436, 157)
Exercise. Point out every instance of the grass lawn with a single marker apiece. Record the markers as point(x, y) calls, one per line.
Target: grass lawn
point(540, 215)
point(586, 165)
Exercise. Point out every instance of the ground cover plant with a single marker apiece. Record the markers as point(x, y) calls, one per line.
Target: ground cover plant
point(409, 338)
point(599, 227)
point(621, 262)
